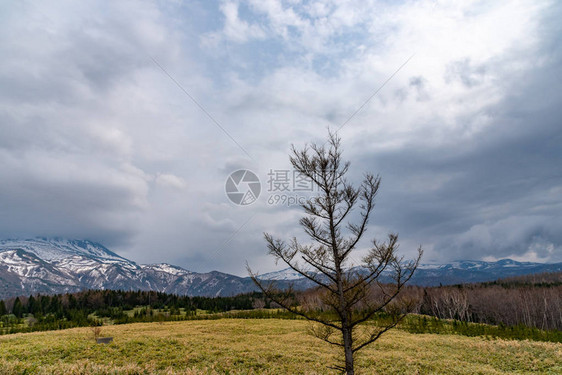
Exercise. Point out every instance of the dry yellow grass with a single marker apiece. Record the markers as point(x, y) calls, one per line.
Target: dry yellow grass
point(269, 346)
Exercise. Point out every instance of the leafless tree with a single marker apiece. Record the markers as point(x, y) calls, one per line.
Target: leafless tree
point(353, 294)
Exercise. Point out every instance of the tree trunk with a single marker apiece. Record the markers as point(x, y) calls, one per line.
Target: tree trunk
point(347, 342)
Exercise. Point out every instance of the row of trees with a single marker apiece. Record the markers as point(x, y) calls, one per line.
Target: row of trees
point(90, 308)
point(100, 301)
point(532, 301)
point(509, 303)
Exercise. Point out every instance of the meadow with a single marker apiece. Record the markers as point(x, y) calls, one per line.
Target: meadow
point(262, 346)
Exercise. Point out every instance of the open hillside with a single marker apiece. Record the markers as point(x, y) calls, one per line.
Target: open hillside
point(265, 346)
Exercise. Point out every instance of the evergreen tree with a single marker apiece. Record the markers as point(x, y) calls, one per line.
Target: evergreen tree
point(33, 306)
point(17, 310)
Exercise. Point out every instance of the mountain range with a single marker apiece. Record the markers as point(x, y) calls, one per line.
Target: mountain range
point(55, 265)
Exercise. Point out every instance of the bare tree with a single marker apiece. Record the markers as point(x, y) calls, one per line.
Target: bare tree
point(352, 293)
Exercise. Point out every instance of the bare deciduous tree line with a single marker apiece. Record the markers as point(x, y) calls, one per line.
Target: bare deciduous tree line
point(533, 306)
point(531, 300)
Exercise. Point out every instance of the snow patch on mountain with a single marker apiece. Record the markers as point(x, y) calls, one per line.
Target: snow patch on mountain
point(286, 274)
point(167, 268)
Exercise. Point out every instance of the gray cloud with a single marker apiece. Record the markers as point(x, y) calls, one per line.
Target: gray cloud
point(466, 72)
point(97, 142)
point(495, 194)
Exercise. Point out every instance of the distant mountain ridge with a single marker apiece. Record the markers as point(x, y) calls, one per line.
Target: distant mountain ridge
point(457, 272)
point(472, 271)
point(57, 265)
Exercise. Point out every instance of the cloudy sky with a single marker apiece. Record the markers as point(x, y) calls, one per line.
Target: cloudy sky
point(121, 121)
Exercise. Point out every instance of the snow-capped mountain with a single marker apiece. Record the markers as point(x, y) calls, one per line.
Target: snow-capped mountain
point(461, 271)
point(466, 271)
point(57, 265)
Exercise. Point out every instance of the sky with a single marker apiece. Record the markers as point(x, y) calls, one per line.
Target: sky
point(121, 122)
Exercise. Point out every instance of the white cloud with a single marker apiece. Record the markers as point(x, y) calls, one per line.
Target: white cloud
point(169, 180)
point(235, 29)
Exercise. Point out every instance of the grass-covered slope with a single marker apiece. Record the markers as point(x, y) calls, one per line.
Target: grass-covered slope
point(262, 346)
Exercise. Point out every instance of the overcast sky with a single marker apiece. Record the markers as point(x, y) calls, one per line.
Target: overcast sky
point(121, 121)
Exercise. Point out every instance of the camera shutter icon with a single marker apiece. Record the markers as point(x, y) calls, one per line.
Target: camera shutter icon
point(243, 187)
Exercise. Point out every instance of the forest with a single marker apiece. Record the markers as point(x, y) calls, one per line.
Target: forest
point(524, 306)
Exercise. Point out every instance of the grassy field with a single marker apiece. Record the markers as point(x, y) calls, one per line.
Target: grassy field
point(261, 346)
